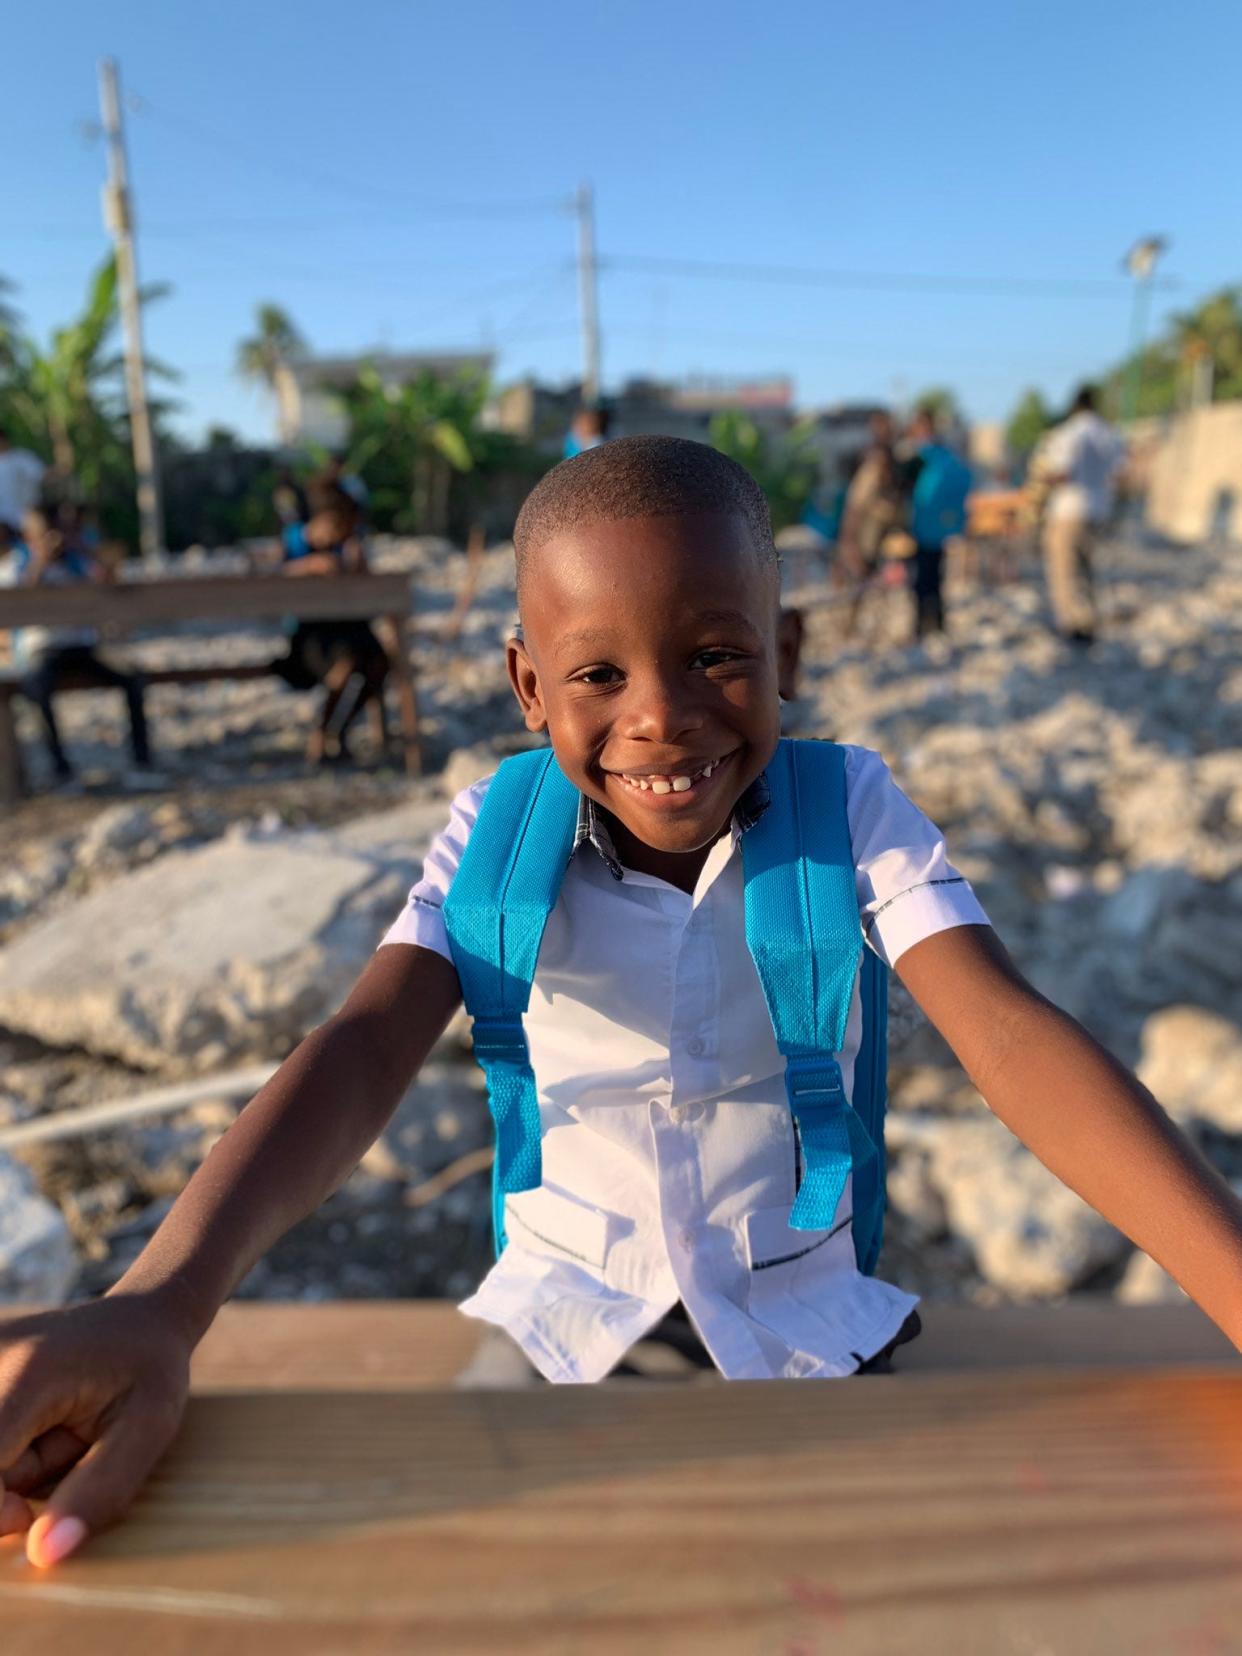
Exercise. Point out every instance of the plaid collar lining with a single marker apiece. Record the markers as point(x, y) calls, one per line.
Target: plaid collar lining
point(592, 828)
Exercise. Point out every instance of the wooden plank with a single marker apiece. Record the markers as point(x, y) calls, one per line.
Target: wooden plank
point(344, 1345)
point(126, 606)
point(1061, 1513)
point(407, 1344)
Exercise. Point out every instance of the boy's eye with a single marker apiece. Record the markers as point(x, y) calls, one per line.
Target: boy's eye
point(715, 657)
point(596, 675)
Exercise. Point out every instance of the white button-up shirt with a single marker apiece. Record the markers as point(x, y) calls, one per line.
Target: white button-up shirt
point(670, 1161)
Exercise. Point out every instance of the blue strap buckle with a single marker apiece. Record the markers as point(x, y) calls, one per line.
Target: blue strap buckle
point(500, 1041)
point(814, 1084)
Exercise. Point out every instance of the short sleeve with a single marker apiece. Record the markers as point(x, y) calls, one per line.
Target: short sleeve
point(907, 887)
point(421, 921)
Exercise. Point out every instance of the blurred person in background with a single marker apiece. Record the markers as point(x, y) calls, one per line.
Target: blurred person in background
point(289, 498)
point(345, 657)
point(1079, 465)
point(336, 475)
point(588, 430)
point(55, 658)
point(21, 476)
point(938, 483)
point(875, 504)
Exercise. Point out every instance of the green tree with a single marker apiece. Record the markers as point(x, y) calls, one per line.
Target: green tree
point(1027, 424)
point(785, 466)
point(1211, 332)
point(66, 400)
point(941, 404)
point(275, 342)
point(408, 442)
point(267, 356)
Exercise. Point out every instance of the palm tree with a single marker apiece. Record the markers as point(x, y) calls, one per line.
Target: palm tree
point(266, 357)
point(408, 440)
point(785, 465)
point(68, 397)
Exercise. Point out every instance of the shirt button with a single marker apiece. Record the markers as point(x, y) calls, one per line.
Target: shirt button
point(676, 1114)
point(695, 1047)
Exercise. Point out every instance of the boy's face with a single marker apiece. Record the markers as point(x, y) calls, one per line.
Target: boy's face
point(649, 655)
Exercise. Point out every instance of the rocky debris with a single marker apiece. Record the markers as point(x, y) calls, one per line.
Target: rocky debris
point(1145, 1283)
point(38, 1264)
point(1192, 1062)
point(258, 938)
point(444, 1115)
point(1031, 1236)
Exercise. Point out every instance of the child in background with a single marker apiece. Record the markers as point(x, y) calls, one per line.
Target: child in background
point(649, 592)
point(50, 658)
point(344, 656)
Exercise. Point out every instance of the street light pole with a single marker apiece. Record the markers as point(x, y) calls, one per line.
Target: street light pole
point(1140, 261)
point(118, 217)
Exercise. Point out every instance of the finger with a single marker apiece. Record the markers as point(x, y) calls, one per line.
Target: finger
point(104, 1482)
point(16, 1515)
point(33, 1405)
point(49, 1456)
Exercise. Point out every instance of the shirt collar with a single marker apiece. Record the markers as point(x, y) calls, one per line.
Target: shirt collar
point(592, 827)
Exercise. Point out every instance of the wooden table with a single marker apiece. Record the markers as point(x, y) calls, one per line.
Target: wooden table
point(1027, 1510)
point(125, 607)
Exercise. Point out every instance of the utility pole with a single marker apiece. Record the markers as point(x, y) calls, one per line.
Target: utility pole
point(119, 221)
point(588, 294)
point(1140, 262)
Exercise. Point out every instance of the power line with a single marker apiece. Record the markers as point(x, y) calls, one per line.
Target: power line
point(888, 281)
point(355, 189)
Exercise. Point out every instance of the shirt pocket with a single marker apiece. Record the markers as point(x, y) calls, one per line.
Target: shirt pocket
point(551, 1223)
point(799, 1280)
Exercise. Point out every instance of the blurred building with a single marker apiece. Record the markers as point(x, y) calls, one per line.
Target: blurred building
point(308, 392)
point(541, 415)
point(838, 437)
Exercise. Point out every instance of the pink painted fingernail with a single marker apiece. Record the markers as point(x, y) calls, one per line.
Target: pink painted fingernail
point(61, 1539)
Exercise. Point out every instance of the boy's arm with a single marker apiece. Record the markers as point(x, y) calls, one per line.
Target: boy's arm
point(299, 1138)
point(1083, 1114)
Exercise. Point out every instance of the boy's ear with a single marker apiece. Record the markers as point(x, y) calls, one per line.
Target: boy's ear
point(525, 681)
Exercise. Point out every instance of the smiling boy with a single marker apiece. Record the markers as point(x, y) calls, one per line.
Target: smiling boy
point(670, 1164)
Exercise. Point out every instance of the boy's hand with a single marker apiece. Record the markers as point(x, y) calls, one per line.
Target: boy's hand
point(95, 1391)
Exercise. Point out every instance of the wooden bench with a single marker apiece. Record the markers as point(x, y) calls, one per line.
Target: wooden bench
point(315, 1501)
point(122, 608)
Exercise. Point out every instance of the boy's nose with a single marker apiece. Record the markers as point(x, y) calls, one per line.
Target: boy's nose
point(660, 713)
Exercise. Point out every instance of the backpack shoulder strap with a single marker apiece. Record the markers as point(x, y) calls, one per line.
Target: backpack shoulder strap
point(804, 934)
point(497, 907)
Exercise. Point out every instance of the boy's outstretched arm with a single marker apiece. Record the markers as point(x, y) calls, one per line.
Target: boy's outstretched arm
point(92, 1395)
point(1083, 1114)
point(300, 1137)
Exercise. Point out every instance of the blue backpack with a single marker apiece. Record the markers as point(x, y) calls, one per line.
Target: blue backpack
point(938, 504)
point(803, 933)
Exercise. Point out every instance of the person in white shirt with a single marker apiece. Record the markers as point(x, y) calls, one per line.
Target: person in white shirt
point(649, 591)
point(1080, 461)
point(21, 473)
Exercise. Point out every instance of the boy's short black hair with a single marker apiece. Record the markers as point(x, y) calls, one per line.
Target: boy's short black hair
point(641, 477)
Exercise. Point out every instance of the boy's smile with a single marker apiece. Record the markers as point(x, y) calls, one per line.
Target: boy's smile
point(649, 655)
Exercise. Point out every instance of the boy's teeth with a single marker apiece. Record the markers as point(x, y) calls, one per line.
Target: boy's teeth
point(659, 786)
point(681, 784)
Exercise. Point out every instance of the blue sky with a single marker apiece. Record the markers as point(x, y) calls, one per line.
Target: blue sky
point(396, 174)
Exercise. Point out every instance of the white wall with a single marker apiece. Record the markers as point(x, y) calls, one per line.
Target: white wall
point(1193, 466)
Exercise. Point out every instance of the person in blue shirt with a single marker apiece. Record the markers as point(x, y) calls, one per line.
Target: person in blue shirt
point(52, 658)
point(938, 483)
